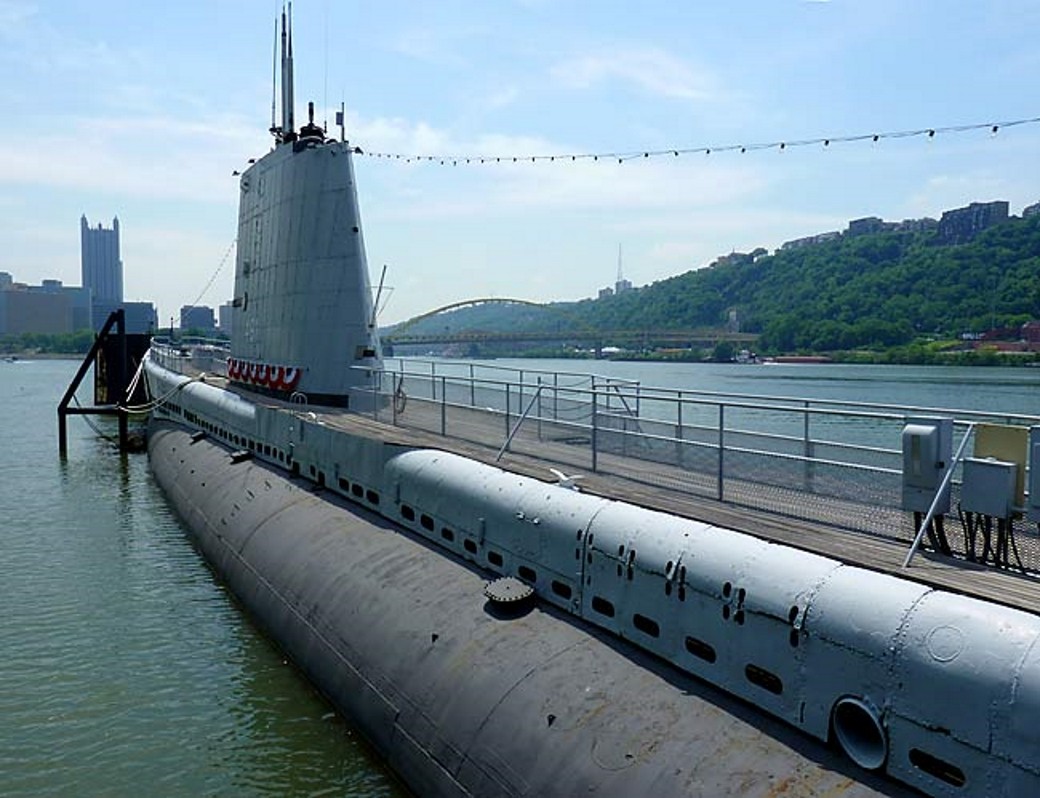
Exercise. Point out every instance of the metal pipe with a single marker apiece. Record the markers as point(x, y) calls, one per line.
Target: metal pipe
point(519, 421)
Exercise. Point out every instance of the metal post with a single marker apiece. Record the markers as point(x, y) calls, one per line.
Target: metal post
point(722, 439)
point(444, 407)
point(121, 381)
point(556, 396)
point(507, 410)
point(538, 395)
point(472, 388)
point(807, 450)
point(595, 427)
point(680, 448)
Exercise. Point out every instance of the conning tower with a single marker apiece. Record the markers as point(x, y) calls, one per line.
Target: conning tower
point(304, 320)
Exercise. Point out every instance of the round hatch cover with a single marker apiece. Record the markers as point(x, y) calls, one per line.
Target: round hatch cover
point(508, 591)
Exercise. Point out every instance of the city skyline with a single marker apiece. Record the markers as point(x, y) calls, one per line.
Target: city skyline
point(146, 113)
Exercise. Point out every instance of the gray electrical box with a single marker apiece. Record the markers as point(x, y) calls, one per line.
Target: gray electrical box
point(1033, 501)
point(927, 452)
point(989, 487)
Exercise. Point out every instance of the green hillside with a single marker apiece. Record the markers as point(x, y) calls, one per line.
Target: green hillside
point(878, 290)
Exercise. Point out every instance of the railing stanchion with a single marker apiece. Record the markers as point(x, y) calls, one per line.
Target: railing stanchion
point(444, 406)
point(595, 428)
point(722, 442)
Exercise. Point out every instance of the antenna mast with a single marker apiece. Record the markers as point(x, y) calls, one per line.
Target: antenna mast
point(288, 124)
point(274, 79)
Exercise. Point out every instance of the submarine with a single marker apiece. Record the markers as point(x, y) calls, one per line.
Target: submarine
point(490, 632)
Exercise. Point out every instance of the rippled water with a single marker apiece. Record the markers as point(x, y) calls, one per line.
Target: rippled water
point(125, 665)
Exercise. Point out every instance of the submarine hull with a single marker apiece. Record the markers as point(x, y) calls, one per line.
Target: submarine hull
point(460, 699)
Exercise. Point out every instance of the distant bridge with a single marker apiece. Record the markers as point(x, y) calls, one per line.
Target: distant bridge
point(703, 337)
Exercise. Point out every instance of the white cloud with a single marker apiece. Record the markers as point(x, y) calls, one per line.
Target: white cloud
point(155, 158)
point(650, 69)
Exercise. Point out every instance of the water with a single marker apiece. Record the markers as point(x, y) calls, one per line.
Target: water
point(995, 390)
point(126, 666)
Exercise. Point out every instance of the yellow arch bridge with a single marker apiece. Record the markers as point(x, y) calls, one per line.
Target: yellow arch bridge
point(703, 337)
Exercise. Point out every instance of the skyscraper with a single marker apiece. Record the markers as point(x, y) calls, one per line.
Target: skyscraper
point(101, 268)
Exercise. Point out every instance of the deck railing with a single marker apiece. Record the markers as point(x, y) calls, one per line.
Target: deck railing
point(827, 461)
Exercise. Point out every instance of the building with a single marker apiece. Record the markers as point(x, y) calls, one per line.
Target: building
point(198, 317)
point(140, 317)
point(1031, 332)
point(79, 298)
point(101, 268)
point(869, 225)
point(820, 238)
point(1031, 210)
point(961, 225)
point(224, 315)
point(925, 225)
point(32, 310)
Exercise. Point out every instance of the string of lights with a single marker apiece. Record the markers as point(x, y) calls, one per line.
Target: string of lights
point(675, 152)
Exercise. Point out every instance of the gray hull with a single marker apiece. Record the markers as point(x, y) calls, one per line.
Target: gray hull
point(460, 700)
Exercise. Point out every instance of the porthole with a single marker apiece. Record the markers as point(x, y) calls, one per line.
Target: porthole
point(939, 768)
point(647, 626)
point(561, 589)
point(426, 522)
point(765, 679)
point(527, 574)
point(448, 535)
point(407, 513)
point(372, 497)
point(469, 546)
point(602, 606)
point(700, 649)
point(495, 558)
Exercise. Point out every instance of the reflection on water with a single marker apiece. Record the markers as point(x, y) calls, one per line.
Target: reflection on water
point(126, 665)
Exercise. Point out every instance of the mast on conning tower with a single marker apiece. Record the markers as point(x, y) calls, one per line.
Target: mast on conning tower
point(287, 130)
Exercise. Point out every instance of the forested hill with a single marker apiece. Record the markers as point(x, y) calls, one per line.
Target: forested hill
point(876, 290)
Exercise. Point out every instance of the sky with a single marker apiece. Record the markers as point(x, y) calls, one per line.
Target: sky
point(144, 111)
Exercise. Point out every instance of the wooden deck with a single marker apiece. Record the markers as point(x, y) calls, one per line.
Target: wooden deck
point(627, 480)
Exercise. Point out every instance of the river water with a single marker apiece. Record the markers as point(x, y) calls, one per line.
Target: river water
point(127, 667)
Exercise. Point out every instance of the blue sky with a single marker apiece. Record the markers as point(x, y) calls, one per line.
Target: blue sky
point(144, 111)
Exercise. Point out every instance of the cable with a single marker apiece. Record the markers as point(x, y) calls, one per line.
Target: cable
point(674, 152)
point(220, 266)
